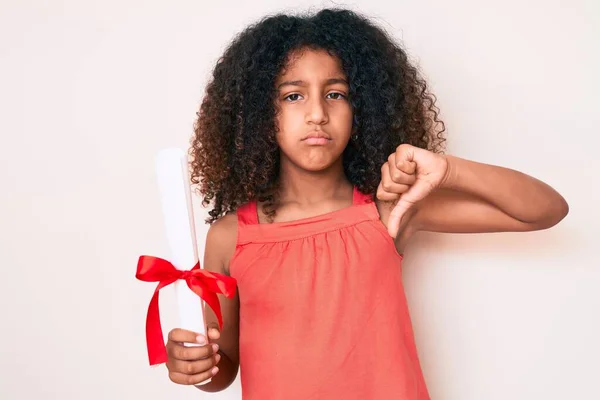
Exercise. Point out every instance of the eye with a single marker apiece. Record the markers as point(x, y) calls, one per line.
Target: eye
point(339, 96)
point(292, 97)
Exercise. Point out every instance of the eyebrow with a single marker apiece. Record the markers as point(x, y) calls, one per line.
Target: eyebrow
point(330, 81)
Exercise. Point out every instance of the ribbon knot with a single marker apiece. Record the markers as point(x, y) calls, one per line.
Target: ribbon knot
point(185, 275)
point(204, 283)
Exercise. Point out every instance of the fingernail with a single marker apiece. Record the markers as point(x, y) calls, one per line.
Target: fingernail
point(215, 347)
point(201, 339)
point(217, 358)
point(214, 370)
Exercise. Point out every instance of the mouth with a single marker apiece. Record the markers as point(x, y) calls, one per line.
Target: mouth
point(317, 138)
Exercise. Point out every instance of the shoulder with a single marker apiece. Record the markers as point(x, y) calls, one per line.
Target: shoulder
point(224, 227)
point(221, 240)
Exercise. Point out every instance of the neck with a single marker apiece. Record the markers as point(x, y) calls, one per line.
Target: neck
point(308, 187)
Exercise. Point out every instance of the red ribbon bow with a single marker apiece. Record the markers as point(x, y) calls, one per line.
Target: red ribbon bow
point(204, 283)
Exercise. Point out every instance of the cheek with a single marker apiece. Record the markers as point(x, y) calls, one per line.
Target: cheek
point(284, 140)
point(343, 119)
point(290, 124)
point(292, 118)
point(349, 115)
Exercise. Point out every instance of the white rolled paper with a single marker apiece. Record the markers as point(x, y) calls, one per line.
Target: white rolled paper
point(175, 194)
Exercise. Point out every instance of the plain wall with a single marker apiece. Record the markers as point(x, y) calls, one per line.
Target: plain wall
point(90, 91)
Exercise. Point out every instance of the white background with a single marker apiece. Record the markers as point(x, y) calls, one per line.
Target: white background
point(90, 91)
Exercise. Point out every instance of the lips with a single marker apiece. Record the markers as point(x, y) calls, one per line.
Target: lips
point(317, 135)
point(317, 138)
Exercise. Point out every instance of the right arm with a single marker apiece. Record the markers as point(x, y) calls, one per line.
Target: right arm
point(220, 246)
point(193, 365)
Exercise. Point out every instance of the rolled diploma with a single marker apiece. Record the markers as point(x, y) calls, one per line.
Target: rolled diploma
point(176, 201)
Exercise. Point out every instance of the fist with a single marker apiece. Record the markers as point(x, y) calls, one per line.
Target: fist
point(408, 176)
point(195, 363)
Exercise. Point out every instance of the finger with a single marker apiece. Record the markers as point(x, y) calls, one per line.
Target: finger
point(213, 331)
point(195, 379)
point(194, 367)
point(191, 353)
point(386, 196)
point(408, 167)
point(391, 185)
point(396, 174)
point(183, 336)
point(405, 159)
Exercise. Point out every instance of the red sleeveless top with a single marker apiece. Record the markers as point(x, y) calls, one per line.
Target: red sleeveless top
point(323, 313)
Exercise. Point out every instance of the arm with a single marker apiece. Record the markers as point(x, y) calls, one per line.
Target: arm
point(476, 197)
point(423, 191)
point(220, 245)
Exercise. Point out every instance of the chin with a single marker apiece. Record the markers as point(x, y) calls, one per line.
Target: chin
point(316, 165)
point(316, 160)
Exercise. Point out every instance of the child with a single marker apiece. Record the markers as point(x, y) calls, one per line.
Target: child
point(320, 149)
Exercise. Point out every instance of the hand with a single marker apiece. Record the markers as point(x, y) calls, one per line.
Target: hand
point(409, 175)
point(192, 365)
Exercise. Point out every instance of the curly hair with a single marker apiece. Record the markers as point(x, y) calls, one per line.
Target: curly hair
point(234, 152)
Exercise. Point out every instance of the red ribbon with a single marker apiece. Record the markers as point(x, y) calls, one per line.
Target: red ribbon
point(204, 283)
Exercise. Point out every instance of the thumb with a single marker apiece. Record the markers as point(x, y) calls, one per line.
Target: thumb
point(396, 215)
point(407, 200)
point(213, 331)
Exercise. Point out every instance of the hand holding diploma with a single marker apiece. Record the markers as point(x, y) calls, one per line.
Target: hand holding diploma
point(192, 365)
point(189, 356)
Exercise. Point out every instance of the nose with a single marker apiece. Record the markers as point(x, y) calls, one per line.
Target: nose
point(316, 112)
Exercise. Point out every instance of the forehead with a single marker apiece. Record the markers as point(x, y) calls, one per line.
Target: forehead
point(315, 64)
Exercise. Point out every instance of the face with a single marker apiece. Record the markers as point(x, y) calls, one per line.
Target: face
point(315, 116)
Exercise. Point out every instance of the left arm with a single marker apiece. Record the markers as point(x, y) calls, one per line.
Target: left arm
point(476, 197)
point(440, 193)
